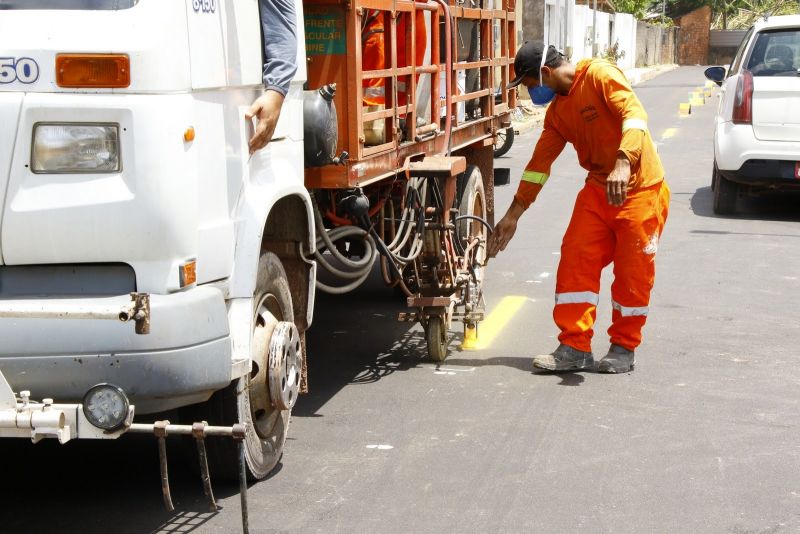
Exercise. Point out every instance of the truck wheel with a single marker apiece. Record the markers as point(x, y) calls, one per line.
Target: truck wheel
point(436, 337)
point(503, 141)
point(725, 195)
point(264, 399)
point(473, 202)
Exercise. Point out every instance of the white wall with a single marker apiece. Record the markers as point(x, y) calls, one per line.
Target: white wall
point(619, 27)
point(625, 34)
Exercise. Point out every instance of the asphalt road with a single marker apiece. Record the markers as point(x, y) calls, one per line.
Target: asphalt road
point(703, 437)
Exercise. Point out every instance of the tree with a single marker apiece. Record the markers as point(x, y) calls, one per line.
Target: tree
point(638, 8)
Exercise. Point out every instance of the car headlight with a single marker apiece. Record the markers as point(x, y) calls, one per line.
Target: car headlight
point(75, 148)
point(106, 406)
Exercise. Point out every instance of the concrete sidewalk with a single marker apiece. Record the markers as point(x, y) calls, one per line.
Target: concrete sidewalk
point(527, 116)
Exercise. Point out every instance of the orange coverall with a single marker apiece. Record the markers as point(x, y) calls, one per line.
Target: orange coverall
point(373, 38)
point(602, 117)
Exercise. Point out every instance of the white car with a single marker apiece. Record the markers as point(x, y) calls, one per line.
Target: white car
point(757, 134)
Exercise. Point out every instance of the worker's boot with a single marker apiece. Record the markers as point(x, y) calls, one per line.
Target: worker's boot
point(618, 360)
point(564, 358)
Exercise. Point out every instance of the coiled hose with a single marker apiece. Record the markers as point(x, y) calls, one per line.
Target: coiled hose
point(409, 234)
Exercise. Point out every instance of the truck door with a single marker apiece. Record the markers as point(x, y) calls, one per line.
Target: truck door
point(10, 105)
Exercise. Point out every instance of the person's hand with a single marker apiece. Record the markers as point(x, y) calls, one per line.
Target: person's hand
point(267, 108)
point(617, 182)
point(504, 230)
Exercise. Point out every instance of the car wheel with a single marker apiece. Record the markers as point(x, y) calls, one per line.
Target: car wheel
point(714, 177)
point(725, 194)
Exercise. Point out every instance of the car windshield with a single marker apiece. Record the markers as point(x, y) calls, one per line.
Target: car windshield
point(776, 53)
point(106, 5)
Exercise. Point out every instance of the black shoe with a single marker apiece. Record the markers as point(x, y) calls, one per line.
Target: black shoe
point(618, 360)
point(564, 358)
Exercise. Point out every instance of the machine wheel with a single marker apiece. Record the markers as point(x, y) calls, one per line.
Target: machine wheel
point(264, 399)
point(503, 141)
point(725, 194)
point(436, 336)
point(473, 202)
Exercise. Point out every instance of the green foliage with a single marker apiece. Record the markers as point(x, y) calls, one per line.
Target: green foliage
point(638, 8)
point(743, 13)
point(613, 53)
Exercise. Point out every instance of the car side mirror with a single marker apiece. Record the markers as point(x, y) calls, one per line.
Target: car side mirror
point(715, 74)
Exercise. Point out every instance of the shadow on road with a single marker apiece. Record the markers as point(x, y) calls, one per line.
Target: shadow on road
point(772, 206)
point(110, 486)
point(356, 339)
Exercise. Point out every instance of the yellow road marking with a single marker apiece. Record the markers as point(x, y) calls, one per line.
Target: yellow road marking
point(669, 132)
point(493, 325)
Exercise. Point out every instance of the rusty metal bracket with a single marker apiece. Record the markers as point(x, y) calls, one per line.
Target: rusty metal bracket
point(239, 435)
point(138, 311)
point(160, 431)
point(198, 431)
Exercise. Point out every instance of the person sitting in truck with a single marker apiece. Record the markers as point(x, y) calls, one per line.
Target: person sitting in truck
point(279, 28)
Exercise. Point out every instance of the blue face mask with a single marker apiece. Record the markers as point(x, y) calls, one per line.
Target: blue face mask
point(541, 95)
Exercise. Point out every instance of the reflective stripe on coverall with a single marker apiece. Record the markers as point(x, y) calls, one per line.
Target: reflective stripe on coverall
point(598, 234)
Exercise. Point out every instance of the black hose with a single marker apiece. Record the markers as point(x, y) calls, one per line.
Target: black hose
point(475, 218)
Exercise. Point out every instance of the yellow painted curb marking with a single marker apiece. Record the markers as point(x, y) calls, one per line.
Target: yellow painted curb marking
point(493, 325)
point(685, 109)
point(669, 132)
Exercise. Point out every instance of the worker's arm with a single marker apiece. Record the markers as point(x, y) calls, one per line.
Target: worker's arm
point(279, 28)
point(623, 102)
point(536, 173)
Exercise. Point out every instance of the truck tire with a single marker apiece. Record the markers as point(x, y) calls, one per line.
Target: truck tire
point(503, 141)
point(248, 400)
point(725, 194)
point(473, 202)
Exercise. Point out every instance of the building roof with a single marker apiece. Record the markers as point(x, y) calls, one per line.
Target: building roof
point(602, 5)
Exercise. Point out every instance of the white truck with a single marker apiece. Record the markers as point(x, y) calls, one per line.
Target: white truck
point(128, 194)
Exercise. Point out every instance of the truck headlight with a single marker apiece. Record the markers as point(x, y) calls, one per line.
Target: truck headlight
point(75, 148)
point(106, 406)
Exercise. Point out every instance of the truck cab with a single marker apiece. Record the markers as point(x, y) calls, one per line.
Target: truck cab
point(124, 170)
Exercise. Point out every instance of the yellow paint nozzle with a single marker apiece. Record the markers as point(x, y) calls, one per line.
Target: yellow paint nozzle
point(470, 337)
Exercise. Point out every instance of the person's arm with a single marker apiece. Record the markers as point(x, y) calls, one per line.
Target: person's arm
point(279, 28)
point(536, 173)
point(611, 82)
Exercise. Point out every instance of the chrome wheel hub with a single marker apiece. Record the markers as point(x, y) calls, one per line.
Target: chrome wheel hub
point(285, 361)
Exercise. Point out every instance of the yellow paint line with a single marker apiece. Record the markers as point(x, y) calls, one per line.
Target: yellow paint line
point(494, 324)
point(669, 132)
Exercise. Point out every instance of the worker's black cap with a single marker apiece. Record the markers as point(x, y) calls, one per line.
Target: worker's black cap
point(529, 59)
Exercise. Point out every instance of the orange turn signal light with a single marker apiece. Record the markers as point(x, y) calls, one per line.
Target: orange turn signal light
point(188, 135)
point(93, 70)
point(188, 273)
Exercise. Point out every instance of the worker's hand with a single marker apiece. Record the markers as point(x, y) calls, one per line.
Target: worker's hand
point(617, 182)
point(267, 109)
point(504, 230)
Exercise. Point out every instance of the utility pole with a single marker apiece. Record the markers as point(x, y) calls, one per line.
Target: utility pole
point(594, 28)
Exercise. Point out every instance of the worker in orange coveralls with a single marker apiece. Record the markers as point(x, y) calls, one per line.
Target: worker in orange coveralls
point(373, 38)
point(619, 214)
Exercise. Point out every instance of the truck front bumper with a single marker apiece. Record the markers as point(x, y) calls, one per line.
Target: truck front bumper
point(183, 360)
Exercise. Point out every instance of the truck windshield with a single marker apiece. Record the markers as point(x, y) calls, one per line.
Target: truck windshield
point(106, 5)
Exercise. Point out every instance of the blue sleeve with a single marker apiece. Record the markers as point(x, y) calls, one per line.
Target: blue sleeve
point(279, 28)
